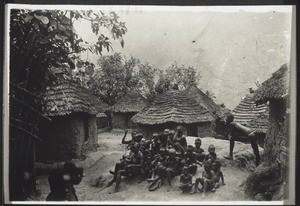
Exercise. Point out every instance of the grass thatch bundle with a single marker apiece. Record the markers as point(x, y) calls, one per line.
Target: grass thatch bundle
point(204, 100)
point(66, 96)
point(275, 87)
point(173, 106)
point(247, 110)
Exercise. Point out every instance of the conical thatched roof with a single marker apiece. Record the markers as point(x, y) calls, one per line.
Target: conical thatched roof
point(275, 87)
point(173, 106)
point(133, 101)
point(260, 123)
point(247, 110)
point(66, 96)
point(204, 100)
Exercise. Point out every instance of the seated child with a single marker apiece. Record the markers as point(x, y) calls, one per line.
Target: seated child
point(211, 156)
point(199, 151)
point(217, 174)
point(191, 159)
point(206, 180)
point(185, 180)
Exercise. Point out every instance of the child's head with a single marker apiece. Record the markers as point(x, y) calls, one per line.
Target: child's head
point(185, 170)
point(207, 166)
point(211, 149)
point(216, 165)
point(198, 142)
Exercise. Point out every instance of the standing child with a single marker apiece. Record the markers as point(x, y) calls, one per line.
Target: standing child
point(185, 180)
point(206, 180)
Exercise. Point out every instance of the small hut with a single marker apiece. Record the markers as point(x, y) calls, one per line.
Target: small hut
point(73, 129)
point(273, 171)
point(174, 108)
point(126, 108)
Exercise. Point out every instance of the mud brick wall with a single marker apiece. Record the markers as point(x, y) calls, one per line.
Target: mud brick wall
point(277, 134)
point(64, 137)
point(205, 129)
point(122, 120)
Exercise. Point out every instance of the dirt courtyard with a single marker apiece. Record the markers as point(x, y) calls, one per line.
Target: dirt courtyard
point(109, 152)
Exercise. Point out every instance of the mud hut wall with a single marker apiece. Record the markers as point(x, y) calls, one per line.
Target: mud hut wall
point(62, 138)
point(118, 120)
point(92, 133)
point(277, 130)
point(205, 129)
point(102, 122)
point(123, 120)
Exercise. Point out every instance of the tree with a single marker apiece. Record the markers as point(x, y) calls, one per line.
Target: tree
point(181, 76)
point(44, 43)
point(114, 78)
point(117, 75)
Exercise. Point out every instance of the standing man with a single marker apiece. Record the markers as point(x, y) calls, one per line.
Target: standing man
point(235, 131)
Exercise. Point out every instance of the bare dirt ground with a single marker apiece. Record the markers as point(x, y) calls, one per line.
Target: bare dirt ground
point(109, 152)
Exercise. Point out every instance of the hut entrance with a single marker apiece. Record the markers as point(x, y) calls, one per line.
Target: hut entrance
point(192, 130)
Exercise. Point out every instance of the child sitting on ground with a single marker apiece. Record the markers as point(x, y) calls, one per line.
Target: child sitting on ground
point(206, 180)
point(199, 151)
point(217, 174)
point(185, 180)
point(211, 156)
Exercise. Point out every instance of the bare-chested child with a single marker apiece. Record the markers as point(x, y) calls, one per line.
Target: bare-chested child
point(211, 156)
point(186, 183)
point(206, 180)
point(199, 151)
point(217, 174)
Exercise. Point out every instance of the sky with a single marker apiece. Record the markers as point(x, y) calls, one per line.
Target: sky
point(231, 46)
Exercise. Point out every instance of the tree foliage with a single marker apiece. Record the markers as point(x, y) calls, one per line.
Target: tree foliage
point(179, 75)
point(44, 39)
point(117, 75)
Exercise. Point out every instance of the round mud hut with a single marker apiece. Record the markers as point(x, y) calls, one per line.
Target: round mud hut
point(126, 108)
point(270, 179)
point(72, 130)
point(174, 108)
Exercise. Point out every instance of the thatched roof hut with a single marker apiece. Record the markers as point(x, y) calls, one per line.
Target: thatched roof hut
point(64, 97)
point(276, 87)
point(133, 101)
point(204, 100)
point(275, 90)
point(73, 129)
point(125, 108)
point(247, 110)
point(172, 108)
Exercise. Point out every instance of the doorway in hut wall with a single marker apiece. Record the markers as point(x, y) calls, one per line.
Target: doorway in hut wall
point(192, 130)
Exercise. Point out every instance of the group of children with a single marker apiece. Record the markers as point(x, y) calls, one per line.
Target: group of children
point(165, 156)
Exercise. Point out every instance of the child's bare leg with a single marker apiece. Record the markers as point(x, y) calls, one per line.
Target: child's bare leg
point(205, 188)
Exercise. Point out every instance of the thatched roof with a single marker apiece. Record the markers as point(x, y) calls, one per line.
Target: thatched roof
point(67, 96)
point(275, 87)
point(131, 102)
point(173, 106)
point(247, 110)
point(204, 100)
point(260, 123)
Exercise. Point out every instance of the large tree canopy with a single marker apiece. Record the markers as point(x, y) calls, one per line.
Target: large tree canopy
point(117, 75)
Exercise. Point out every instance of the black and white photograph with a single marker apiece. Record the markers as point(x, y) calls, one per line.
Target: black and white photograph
point(127, 104)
